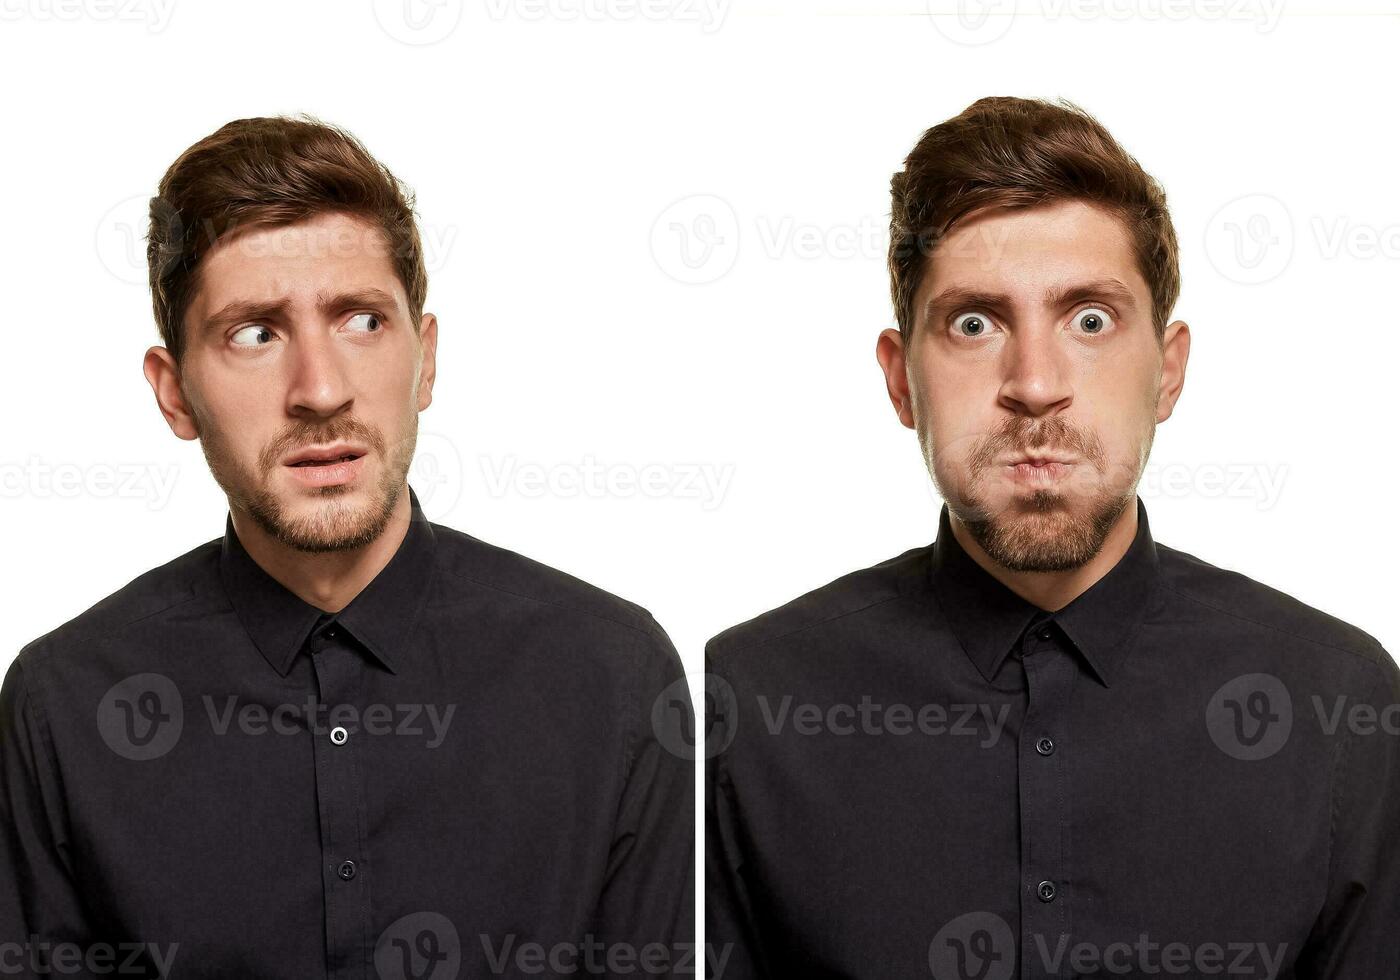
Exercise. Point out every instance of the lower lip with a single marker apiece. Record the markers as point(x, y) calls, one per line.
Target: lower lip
point(1042, 473)
point(327, 474)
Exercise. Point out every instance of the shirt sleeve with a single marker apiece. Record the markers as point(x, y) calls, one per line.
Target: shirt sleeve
point(1355, 937)
point(731, 942)
point(646, 914)
point(40, 903)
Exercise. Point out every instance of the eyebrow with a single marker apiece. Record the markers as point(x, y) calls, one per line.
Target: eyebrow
point(1056, 296)
point(245, 311)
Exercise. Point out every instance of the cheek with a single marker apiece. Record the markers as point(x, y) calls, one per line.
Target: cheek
point(1121, 403)
point(235, 412)
point(955, 407)
point(386, 379)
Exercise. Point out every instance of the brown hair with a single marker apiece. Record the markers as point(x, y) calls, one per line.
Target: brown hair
point(1010, 152)
point(270, 171)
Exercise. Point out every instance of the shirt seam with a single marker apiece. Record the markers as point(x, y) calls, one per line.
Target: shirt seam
point(41, 648)
point(755, 644)
point(1339, 800)
point(1269, 626)
point(648, 631)
point(34, 694)
point(910, 581)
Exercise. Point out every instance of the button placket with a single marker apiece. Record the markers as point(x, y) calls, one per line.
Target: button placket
point(1044, 793)
point(340, 805)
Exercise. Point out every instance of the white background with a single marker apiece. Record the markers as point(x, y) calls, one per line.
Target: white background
point(556, 146)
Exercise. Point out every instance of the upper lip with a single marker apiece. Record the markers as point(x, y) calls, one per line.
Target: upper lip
point(331, 451)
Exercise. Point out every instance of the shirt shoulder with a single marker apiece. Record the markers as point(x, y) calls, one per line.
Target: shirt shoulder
point(523, 586)
point(1200, 588)
point(175, 584)
point(852, 595)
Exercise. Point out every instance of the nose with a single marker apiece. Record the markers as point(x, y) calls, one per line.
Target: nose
point(1036, 377)
point(319, 385)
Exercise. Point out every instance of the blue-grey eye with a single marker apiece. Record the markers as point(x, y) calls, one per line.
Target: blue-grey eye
point(253, 335)
point(974, 323)
point(1093, 320)
point(364, 323)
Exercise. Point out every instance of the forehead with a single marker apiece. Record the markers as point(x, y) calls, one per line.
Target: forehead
point(1015, 250)
point(295, 262)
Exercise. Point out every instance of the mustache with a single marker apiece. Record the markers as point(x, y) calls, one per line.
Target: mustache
point(1053, 435)
point(343, 427)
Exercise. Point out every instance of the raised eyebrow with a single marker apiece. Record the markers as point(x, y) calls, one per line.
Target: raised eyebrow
point(1110, 288)
point(1055, 296)
point(240, 310)
point(957, 296)
point(356, 297)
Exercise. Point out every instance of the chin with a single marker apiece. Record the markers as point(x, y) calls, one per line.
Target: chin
point(324, 519)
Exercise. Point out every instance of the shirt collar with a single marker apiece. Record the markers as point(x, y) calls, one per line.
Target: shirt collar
point(381, 616)
point(988, 618)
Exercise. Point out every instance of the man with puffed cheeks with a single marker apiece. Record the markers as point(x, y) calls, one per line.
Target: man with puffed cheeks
point(1045, 745)
point(340, 740)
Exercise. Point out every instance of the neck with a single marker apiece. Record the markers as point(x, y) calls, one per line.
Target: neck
point(1051, 591)
point(327, 580)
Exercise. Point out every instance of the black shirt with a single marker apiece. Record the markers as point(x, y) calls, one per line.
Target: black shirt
point(456, 775)
point(1182, 772)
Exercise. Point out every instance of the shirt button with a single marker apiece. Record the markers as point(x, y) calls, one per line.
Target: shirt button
point(1046, 891)
point(346, 870)
point(1045, 745)
point(1045, 633)
point(332, 633)
point(339, 735)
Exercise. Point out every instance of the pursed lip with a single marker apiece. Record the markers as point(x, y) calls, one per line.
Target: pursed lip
point(325, 454)
point(1035, 460)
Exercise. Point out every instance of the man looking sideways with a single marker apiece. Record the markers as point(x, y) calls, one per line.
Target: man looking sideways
point(340, 741)
point(1045, 745)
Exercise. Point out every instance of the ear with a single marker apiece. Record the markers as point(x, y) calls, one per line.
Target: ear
point(427, 370)
point(164, 377)
point(1176, 348)
point(890, 352)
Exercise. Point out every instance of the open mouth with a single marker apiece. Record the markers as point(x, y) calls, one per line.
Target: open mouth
point(329, 461)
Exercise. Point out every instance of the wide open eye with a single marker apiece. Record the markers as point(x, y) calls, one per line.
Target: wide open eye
point(1093, 320)
point(971, 325)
